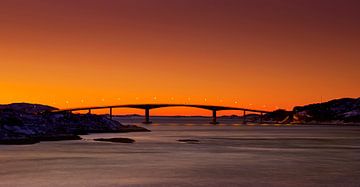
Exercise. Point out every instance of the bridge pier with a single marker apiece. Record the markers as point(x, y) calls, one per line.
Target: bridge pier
point(214, 118)
point(110, 112)
point(147, 116)
point(89, 112)
point(244, 117)
point(261, 117)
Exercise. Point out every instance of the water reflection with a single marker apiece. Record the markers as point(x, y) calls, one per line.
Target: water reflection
point(226, 155)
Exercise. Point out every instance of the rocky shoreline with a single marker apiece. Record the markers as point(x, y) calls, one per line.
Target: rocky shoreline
point(344, 111)
point(24, 123)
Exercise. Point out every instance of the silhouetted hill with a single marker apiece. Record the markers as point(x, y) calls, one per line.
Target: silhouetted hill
point(338, 110)
point(27, 107)
point(345, 110)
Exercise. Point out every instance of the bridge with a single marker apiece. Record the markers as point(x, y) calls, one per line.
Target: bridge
point(148, 107)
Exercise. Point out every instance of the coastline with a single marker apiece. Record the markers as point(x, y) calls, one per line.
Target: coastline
point(24, 123)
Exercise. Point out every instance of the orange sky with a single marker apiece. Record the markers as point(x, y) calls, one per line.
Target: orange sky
point(262, 54)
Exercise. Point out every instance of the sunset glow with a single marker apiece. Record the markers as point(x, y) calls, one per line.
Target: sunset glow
point(265, 55)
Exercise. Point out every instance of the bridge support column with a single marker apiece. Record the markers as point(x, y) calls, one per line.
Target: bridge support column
point(261, 117)
point(214, 118)
point(147, 116)
point(244, 117)
point(89, 112)
point(110, 112)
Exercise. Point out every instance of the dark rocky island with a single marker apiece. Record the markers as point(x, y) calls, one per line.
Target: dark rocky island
point(337, 111)
point(23, 123)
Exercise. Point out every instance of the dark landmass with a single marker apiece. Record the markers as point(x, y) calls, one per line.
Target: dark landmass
point(116, 140)
point(338, 111)
point(23, 123)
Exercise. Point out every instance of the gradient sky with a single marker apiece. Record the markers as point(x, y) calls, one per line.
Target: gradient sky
point(262, 54)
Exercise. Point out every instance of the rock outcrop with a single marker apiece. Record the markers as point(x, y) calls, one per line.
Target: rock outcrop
point(191, 141)
point(279, 116)
point(338, 111)
point(115, 140)
point(24, 123)
point(345, 110)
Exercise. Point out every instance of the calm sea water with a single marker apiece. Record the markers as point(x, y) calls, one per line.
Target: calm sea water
point(227, 155)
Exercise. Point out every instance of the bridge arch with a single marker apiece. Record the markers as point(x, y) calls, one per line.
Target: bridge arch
point(148, 107)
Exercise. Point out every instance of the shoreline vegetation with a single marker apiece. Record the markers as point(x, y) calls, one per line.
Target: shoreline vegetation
point(24, 123)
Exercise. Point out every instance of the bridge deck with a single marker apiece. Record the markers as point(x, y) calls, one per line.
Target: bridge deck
point(154, 106)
